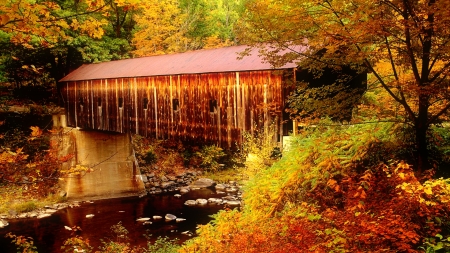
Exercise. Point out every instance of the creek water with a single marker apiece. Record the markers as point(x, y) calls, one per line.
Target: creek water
point(49, 233)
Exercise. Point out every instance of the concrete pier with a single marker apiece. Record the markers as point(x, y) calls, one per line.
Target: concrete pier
point(110, 156)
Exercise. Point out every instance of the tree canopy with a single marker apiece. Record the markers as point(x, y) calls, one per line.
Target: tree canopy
point(403, 45)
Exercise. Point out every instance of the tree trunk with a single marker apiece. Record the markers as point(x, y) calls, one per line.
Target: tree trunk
point(421, 127)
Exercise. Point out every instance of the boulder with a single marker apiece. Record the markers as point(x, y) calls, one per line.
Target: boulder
point(180, 219)
point(157, 217)
point(170, 217)
point(203, 183)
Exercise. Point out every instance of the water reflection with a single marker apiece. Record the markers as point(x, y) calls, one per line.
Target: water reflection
point(49, 233)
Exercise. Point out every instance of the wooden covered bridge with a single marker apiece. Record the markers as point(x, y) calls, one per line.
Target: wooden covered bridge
point(209, 96)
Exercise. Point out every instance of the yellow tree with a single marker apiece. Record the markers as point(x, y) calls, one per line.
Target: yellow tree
point(403, 44)
point(160, 28)
point(45, 23)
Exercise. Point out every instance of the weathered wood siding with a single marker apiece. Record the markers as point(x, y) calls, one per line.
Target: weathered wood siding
point(212, 108)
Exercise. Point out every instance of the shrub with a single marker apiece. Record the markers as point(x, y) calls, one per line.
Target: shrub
point(150, 157)
point(210, 156)
point(326, 194)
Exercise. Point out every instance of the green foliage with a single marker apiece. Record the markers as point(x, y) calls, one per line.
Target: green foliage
point(107, 49)
point(210, 156)
point(162, 245)
point(26, 207)
point(436, 244)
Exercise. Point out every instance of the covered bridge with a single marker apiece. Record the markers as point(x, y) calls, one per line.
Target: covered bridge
point(208, 96)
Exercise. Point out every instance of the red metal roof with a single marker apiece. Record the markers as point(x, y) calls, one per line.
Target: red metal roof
point(194, 62)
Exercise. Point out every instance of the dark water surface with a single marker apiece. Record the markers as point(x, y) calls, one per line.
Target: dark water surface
point(49, 233)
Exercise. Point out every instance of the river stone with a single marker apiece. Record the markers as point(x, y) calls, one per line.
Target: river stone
point(177, 196)
point(184, 189)
point(180, 219)
point(157, 217)
point(220, 187)
point(234, 202)
point(215, 200)
point(89, 216)
point(171, 178)
point(201, 201)
point(232, 189)
point(43, 215)
point(203, 183)
point(3, 223)
point(158, 191)
point(23, 215)
point(168, 184)
point(229, 198)
point(163, 179)
point(183, 174)
point(190, 202)
point(170, 217)
point(143, 219)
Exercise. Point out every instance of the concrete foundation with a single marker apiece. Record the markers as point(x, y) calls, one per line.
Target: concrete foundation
point(110, 155)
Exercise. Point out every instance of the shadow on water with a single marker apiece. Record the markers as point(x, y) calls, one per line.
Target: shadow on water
point(49, 233)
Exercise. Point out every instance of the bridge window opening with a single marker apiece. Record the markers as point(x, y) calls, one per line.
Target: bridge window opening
point(99, 102)
point(120, 102)
point(212, 106)
point(145, 103)
point(175, 104)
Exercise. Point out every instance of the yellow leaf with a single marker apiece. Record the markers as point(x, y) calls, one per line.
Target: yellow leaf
point(35, 131)
point(428, 190)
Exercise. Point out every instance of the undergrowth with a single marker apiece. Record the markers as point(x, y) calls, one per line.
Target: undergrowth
point(339, 188)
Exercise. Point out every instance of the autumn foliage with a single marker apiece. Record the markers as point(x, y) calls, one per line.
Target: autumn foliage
point(324, 196)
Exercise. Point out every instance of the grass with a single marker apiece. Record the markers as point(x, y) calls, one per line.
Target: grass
point(14, 199)
point(226, 175)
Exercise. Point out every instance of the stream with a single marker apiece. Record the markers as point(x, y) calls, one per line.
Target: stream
point(49, 233)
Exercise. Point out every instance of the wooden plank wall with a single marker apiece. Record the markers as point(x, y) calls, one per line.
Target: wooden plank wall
point(210, 108)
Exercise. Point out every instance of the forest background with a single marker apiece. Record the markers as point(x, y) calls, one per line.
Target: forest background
point(371, 183)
